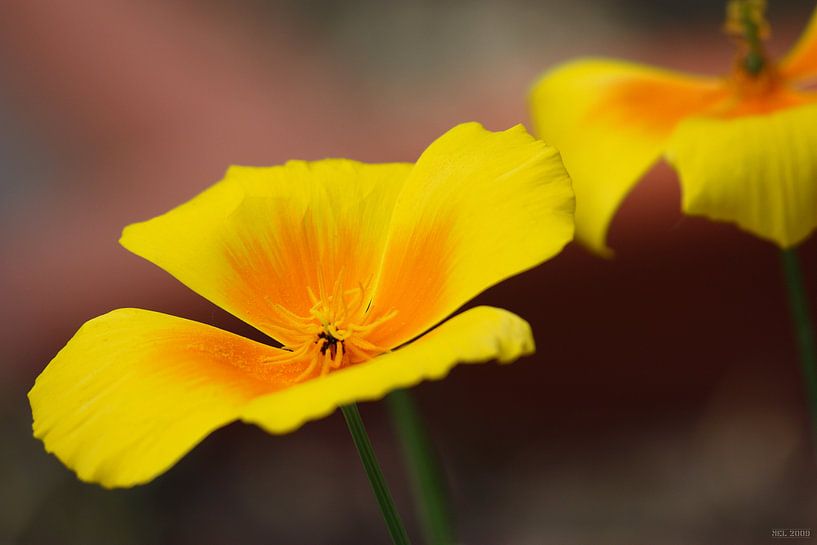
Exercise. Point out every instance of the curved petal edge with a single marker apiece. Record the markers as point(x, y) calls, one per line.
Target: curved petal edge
point(759, 172)
point(611, 121)
point(474, 336)
point(135, 390)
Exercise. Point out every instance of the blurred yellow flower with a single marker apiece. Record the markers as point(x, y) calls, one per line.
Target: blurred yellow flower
point(341, 262)
point(745, 146)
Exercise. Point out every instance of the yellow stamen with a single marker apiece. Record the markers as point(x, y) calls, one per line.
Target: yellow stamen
point(313, 363)
point(333, 334)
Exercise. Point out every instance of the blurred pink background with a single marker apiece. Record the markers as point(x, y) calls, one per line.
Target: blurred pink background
point(664, 404)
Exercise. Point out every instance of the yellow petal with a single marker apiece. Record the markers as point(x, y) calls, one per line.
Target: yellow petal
point(801, 62)
point(759, 172)
point(133, 391)
point(477, 208)
point(263, 237)
point(610, 121)
point(475, 336)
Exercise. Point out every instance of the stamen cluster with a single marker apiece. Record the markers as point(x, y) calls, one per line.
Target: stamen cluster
point(333, 335)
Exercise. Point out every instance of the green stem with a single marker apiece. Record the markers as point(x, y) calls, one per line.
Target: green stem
point(803, 329)
point(426, 477)
point(381, 490)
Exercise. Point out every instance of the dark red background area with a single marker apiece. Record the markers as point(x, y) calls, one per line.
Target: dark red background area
point(664, 403)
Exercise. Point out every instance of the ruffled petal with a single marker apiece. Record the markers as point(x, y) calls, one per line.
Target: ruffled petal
point(477, 208)
point(759, 172)
point(262, 238)
point(134, 390)
point(477, 335)
point(611, 121)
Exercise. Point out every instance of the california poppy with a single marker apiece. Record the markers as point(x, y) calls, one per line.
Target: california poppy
point(345, 264)
point(743, 144)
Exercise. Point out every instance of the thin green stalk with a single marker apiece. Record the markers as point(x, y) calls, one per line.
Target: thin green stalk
point(803, 330)
point(373, 471)
point(426, 477)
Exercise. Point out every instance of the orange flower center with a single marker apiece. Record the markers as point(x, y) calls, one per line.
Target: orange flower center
point(755, 86)
point(333, 335)
point(758, 94)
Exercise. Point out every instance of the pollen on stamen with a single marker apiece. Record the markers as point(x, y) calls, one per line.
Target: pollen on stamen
point(334, 333)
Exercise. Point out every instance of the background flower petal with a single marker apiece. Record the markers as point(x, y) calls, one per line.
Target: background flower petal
point(134, 390)
point(475, 336)
point(801, 62)
point(611, 120)
point(478, 207)
point(759, 172)
point(262, 236)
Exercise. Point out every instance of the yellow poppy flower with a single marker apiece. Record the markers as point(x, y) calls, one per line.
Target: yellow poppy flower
point(340, 261)
point(743, 145)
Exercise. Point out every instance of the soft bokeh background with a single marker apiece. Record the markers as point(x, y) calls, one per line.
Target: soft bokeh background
point(664, 403)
